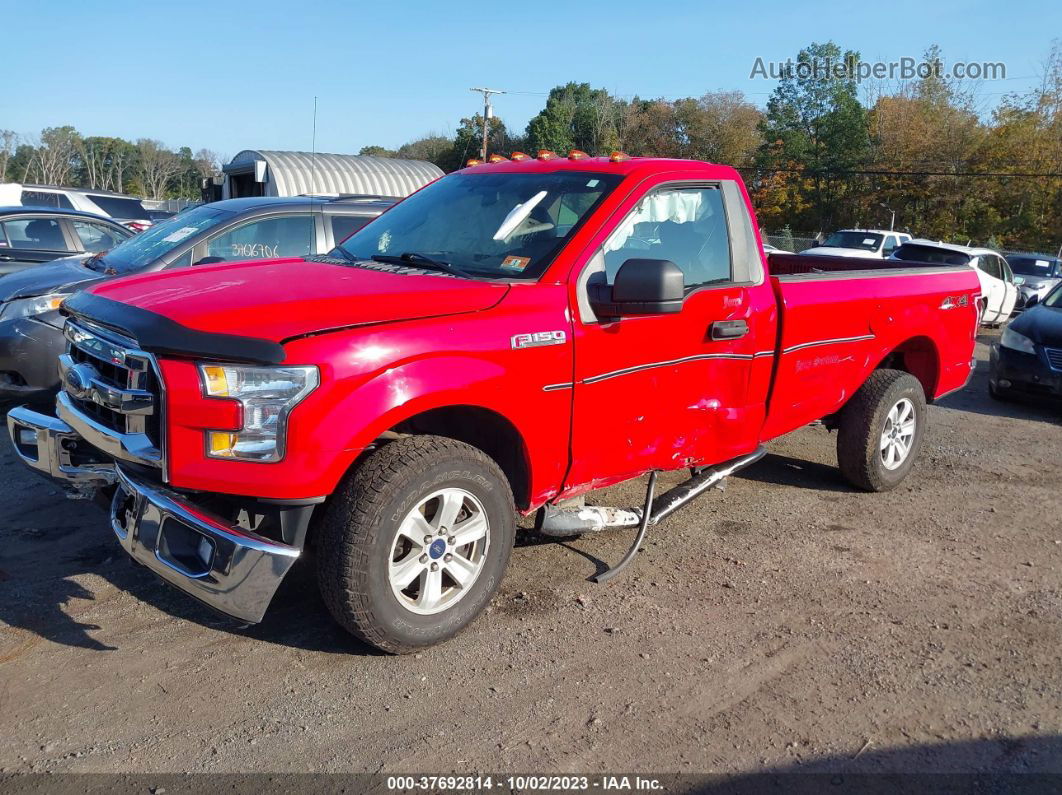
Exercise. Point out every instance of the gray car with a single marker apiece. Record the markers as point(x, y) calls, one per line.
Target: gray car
point(31, 336)
point(1040, 273)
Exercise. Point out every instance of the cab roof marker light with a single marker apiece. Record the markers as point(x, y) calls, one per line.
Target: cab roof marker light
point(518, 156)
point(473, 161)
point(577, 154)
point(496, 158)
point(619, 157)
point(546, 154)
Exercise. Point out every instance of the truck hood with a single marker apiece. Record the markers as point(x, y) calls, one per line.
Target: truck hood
point(58, 276)
point(278, 300)
point(837, 251)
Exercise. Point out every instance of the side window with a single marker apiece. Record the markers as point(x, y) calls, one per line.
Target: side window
point(343, 226)
point(684, 225)
point(890, 245)
point(95, 237)
point(989, 265)
point(267, 238)
point(45, 198)
point(43, 234)
point(1004, 266)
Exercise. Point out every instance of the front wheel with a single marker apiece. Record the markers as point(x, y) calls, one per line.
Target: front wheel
point(415, 542)
point(880, 430)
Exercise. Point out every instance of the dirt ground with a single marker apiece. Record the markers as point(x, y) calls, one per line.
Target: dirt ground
point(786, 622)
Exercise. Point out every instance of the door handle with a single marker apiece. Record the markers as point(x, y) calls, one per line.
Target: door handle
point(729, 329)
point(5, 258)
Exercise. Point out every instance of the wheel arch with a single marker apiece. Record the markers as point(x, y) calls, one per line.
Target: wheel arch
point(918, 356)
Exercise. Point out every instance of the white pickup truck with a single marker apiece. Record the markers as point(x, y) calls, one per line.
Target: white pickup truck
point(868, 243)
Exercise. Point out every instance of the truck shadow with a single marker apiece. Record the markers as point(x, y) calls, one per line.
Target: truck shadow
point(784, 470)
point(1000, 764)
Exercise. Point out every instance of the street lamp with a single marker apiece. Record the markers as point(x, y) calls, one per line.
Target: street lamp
point(892, 221)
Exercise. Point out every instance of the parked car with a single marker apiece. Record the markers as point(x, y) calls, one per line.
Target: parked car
point(158, 216)
point(126, 210)
point(1027, 360)
point(1040, 273)
point(870, 243)
point(32, 235)
point(998, 286)
point(244, 229)
point(514, 332)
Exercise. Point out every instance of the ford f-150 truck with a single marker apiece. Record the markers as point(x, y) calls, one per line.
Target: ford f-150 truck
point(513, 336)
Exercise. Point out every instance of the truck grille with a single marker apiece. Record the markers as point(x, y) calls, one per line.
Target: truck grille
point(1054, 358)
point(108, 380)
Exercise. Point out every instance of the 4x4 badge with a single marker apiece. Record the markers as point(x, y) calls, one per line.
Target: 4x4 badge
point(538, 338)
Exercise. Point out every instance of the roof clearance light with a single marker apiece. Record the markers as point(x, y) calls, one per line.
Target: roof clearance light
point(545, 154)
point(497, 159)
point(619, 157)
point(577, 154)
point(474, 161)
point(518, 156)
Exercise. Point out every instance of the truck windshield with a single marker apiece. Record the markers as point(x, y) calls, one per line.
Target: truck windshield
point(868, 241)
point(503, 225)
point(141, 250)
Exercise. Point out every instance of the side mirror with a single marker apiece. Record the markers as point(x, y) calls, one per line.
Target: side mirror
point(642, 287)
point(1032, 300)
point(1019, 281)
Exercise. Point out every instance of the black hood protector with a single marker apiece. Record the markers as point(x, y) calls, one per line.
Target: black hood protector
point(157, 334)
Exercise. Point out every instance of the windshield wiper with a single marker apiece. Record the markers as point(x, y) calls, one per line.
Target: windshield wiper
point(423, 261)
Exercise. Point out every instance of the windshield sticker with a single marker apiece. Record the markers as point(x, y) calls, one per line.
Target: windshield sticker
point(592, 183)
point(868, 241)
point(514, 263)
point(180, 234)
point(385, 242)
point(1042, 263)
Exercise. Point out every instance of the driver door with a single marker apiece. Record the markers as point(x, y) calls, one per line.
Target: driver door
point(668, 391)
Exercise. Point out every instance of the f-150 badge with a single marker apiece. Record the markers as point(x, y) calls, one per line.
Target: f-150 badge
point(538, 338)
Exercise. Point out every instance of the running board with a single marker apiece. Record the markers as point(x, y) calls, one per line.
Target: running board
point(568, 521)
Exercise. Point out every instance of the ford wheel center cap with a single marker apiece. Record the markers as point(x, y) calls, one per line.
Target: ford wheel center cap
point(437, 548)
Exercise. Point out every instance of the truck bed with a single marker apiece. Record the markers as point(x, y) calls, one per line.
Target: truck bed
point(840, 317)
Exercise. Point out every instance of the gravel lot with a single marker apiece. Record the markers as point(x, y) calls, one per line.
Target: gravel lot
point(785, 622)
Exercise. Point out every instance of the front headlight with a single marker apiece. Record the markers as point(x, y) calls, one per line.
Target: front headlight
point(1016, 342)
point(30, 307)
point(267, 395)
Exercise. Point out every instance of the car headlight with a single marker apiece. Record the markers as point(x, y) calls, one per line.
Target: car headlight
point(267, 395)
point(30, 307)
point(1016, 342)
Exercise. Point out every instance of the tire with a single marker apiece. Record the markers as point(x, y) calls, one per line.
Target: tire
point(1002, 395)
point(363, 548)
point(867, 418)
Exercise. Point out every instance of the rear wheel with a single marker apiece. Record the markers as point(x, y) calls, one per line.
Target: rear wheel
point(415, 543)
point(880, 430)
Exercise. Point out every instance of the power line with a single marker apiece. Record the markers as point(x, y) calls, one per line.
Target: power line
point(868, 173)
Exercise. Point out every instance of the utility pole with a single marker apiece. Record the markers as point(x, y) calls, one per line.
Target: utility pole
point(892, 221)
point(488, 113)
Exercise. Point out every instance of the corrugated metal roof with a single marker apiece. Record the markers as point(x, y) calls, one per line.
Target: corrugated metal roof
point(295, 173)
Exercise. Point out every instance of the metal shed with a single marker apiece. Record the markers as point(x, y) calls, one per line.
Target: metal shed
point(259, 172)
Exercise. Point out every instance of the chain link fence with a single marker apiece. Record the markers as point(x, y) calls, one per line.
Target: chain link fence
point(792, 242)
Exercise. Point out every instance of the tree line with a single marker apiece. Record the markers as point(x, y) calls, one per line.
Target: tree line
point(146, 167)
point(820, 156)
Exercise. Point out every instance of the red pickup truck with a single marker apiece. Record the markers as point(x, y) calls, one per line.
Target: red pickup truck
point(513, 336)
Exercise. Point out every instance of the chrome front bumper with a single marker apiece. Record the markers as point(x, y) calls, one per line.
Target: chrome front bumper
point(52, 447)
point(233, 570)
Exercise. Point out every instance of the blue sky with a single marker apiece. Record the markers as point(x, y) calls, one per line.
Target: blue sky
point(231, 76)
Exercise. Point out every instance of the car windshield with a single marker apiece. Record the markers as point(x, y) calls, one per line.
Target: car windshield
point(912, 252)
point(507, 225)
point(1034, 266)
point(141, 250)
point(868, 241)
